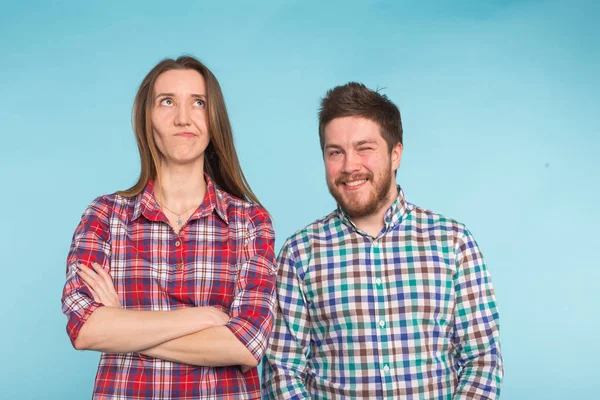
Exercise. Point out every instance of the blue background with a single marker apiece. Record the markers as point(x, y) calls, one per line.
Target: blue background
point(500, 104)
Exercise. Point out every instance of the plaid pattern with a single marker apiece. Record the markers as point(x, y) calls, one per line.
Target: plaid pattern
point(222, 258)
point(410, 314)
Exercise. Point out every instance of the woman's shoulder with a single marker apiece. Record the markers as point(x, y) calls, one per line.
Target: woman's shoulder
point(115, 200)
point(241, 210)
point(110, 204)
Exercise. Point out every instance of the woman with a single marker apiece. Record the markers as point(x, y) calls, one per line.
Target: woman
point(173, 279)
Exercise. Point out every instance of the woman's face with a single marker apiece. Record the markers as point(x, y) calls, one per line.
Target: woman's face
point(179, 117)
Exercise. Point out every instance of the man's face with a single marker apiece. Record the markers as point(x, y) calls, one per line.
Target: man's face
point(358, 165)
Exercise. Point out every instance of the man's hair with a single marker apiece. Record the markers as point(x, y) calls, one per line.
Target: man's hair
point(220, 158)
point(355, 99)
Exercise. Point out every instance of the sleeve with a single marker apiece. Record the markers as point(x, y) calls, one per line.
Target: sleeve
point(288, 356)
point(252, 308)
point(91, 243)
point(476, 325)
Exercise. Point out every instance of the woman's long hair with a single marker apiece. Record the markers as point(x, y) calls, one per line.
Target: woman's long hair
point(220, 158)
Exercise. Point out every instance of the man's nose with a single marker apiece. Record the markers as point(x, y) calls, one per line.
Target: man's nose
point(351, 162)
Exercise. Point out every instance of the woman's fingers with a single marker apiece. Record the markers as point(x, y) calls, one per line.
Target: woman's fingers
point(87, 276)
point(91, 279)
point(89, 283)
point(106, 278)
point(95, 295)
point(102, 290)
point(103, 275)
point(109, 286)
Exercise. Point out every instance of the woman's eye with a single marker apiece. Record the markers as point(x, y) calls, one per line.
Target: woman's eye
point(199, 103)
point(166, 102)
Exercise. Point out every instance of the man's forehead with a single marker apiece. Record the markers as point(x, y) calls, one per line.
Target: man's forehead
point(352, 123)
point(353, 131)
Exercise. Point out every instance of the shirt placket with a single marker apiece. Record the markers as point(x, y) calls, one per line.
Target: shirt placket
point(179, 253)
point(177, 262)
point(382, 321)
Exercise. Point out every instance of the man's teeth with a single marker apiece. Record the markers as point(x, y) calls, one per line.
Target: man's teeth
point(356, 183)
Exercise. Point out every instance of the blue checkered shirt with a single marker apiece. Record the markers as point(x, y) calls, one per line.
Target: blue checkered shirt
point(409, 314)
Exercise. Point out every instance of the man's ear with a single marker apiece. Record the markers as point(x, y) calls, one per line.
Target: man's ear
point(396, 156)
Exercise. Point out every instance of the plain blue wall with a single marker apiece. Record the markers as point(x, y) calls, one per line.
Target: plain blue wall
point(500, 103)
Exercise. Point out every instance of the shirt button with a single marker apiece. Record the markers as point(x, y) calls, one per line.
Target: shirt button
point(177, 243)
point(382, 323)
point(378, 282)
point(386, 368)
point(178, 267)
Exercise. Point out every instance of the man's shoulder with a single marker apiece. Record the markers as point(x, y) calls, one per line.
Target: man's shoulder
point(319, 229)
point(425, 219)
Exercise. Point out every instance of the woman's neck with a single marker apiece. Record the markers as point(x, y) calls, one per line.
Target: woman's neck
point(180, 186)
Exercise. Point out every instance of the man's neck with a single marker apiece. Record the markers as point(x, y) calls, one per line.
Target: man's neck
point(374, 223)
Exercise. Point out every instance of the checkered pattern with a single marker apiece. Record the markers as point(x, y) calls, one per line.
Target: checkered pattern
point(410, 314)
point(222, 258)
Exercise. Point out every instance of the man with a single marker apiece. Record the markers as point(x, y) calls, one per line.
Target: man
point(381, 298)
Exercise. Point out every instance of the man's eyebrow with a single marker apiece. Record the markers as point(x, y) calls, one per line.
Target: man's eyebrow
point(334, 146)
point(361, 142)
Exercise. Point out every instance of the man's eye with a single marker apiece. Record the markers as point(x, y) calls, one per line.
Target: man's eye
point(335, 153)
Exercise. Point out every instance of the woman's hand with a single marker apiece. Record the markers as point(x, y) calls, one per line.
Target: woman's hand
point(100, 284)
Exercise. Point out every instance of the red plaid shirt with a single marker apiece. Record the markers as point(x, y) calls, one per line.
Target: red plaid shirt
point(223, 258)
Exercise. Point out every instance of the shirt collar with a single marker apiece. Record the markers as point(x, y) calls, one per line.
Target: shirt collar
point(145, 204)
point(393, 216)
point(214, 200)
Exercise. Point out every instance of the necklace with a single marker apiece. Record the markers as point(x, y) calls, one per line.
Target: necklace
point(179, 219)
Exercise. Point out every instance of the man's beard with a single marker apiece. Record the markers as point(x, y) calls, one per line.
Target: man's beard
point(377, 196)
